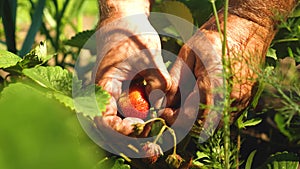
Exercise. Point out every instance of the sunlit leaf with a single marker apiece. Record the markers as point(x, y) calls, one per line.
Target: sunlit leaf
point(36, 131)
point(36, 56)
point(80, 39)
point(112, 163)
point(282, 160)
point(54, 78)
point(250, 160)
point(291, 132)
point(91, 101)
point(180, 10)
point(296, 12)
point(119, 164)
point(272, 53)
point(8, 59)
point(64, 99)
point(251, 122)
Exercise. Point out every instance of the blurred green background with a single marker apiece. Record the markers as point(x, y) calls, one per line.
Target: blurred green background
point(37, 132)
point(40, 132)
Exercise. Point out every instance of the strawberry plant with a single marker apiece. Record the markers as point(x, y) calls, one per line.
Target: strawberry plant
point(39, 103)
point(39, 98)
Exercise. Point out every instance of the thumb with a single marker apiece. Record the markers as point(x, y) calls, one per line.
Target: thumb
point(183, 79)
point(186, 115)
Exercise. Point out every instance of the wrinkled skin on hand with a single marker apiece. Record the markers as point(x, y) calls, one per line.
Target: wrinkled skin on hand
point(124, 51)
point(251, 27)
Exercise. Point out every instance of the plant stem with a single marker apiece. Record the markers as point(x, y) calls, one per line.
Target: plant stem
point(227, 79)
point(293, 104)
point(217, 17)
point(174, 138)
point(286, 40)
point(228, 88)
point(165, 126)
point(156, 119)
point(159, 134)
point(238, 148)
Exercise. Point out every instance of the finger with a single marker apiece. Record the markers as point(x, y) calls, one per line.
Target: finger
point(110, 119)
point(182, 77)
point(123, 126)
point(109, 138)
point(186, 114)
point(146, 61)
point(169, 115)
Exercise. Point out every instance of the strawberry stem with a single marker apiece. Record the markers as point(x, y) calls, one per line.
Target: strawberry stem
point(165, 126)
point(174, 138)
point(156, 119)
point(160, 133)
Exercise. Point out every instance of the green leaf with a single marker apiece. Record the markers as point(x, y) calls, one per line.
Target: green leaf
point(290, 130)
point(119, 164)
point(102, 98)
point(36, 56)
point(91, 101)
point(240, 119)
point(250, 160)
point(251, 122)
point(281, 124)
point(8, 59)
point(112, 163)
point(14, 64)
point(155, 128)
point(57, 81)
point(180, 10)
point(201, 155)
point(282, 160)
point(53, 78)
point(171, 30)
point(80, 38)
point(66, 100)
point(296, 12)
point(272, 53)
point(240, 123)
point(214, 149)
point(36, 130)
point(260, 89)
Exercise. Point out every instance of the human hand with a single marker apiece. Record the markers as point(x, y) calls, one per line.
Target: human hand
point(250, 30)
point(128, 48)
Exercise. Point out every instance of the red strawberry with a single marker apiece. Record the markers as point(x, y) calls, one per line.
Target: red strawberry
point(134, 102)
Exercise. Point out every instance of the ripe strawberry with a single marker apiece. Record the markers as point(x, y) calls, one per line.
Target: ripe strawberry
point(134, 102)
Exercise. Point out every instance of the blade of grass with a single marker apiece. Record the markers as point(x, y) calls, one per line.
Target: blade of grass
point(250, 160)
